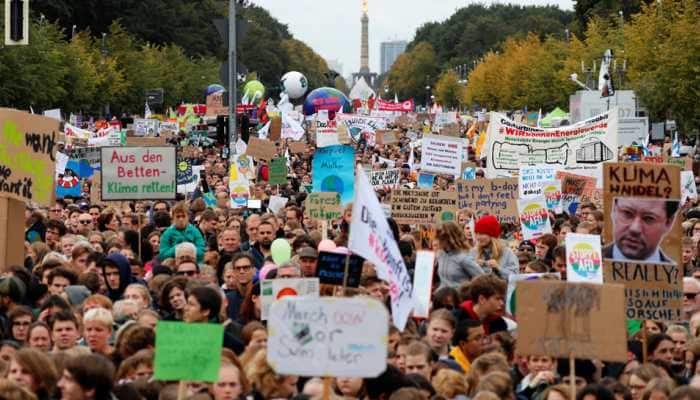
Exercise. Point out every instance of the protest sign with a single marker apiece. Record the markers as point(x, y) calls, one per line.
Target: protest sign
point(11, 243)
point(493, 196)
point(451, 129)
point(185, 174)
point(296, 147)
point(261, 149)
point(372, 238)
point(653, 291)
point(278, 171)
point(328, 336)
point(442, 155)
point(168, 128)
point(642, 200)
point(27, 148)
point(417, 206)
point(272, 290)
point(385, 178)
point(146, 127)
point(531, 177)
point(191, 186)
point(188, 352)
point(513, 279)
point(580, 147)
point(584, 259)
point(71, 132)
point(275, 128)
point(534, 218)
point(468, 171)
point(688, 189)
point(560, 319)
point(423, 283)
point(551, 190)
point(333, 171)
point(330, 269)
point(425, 180)
point(326, 130)
point(277, 203)
point(138, 173)
point(323, 206)
point(241, 172)
point(387, 137)
point(360, 126)
point(145, 141)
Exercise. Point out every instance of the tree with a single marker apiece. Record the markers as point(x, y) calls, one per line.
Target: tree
point(412, 71)
point(448, 91)
point(303, 59)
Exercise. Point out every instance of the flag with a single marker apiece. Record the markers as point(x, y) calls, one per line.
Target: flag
point(605, 84)
point(396, 98)
point(539, 117)
point(147, 112)
point(411, 158)
point(676, 146)
point(372, 238)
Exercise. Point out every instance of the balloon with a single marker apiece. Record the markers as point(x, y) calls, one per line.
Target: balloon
point(326, 245)
point(341, 250)
point(295, 84)
point(281, 251)
point(264, 270)
point(254, 91)
point(326, 98)
point(215, 88)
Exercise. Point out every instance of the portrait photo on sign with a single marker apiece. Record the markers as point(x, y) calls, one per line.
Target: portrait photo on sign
point(639, 228)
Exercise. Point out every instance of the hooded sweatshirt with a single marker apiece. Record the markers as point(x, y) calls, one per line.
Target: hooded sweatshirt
point(492, 323)
point(125, 278)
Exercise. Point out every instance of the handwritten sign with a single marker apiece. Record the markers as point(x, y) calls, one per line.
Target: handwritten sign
point(442, 155)
point(531, 178)
point(278, 171)
point(323, 206)
point(296, 147)
point(334, 171)
point(418, 206)
point(385, 178)
point(188, 352)
point(498, 197)
point(330, 269)
point(146, 127)
point(328, 336)
point(558, 319)
point(653, 291)
point(261, 149)
point(138, 173)
point(326, 130)
point(27, 163)
point(273, 290)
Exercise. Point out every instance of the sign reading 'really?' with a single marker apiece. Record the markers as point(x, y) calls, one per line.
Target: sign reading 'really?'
point(138, 173)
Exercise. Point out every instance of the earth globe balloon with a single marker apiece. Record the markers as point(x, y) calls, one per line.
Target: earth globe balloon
point(294, 84)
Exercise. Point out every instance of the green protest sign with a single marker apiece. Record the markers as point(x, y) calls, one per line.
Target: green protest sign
point(188, 351)
point(278, 171)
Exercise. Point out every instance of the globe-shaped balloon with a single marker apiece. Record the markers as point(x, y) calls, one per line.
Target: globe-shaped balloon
point(254, 91)
point(295, 84)
point(326, 98)
point(214, 88)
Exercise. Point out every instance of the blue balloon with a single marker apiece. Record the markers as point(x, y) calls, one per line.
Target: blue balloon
point(326, 98)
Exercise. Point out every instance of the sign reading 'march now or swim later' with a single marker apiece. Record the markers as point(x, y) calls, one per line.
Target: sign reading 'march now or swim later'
point(580, 148)
point(138, 173)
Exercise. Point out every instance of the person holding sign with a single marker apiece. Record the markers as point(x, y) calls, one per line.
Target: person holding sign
point(639, 226)
point(203, 306)
point(490, 252)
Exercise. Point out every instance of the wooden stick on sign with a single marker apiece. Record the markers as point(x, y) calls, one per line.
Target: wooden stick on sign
point(572, 374)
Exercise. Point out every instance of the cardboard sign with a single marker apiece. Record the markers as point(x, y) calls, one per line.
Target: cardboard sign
point(388, 137)
point(146, 127)
point(442, 155)
point(138, 173)
point(558, 319)
point(145, 141)
point(385, 178)
point(417, 206)
point(275, 128)
point(272, 290)
point(584, 259)
point(330, 269)
point(653, 291)
point(498, 197)
point(534, 218)
point(296, 147)
point(27, 148)
point(278, 171)
point(11, 243)
point(423, 283)
point(328, 336)
point(642, 200)
point(188, 352)
point(333, 170)
point(323, 206)
point(511, 292)
point(450, 129)
point(261, 149)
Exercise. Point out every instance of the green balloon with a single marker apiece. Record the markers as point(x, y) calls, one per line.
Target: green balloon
point(281, 251)
point(254, 90)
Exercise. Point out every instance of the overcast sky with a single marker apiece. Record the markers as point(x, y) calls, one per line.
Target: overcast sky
point(332, 27)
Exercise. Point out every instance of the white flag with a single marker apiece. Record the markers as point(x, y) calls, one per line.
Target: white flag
point(147, 112)
point(371, 238)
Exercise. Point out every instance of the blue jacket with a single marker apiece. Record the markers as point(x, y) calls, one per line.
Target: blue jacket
point(173, 236)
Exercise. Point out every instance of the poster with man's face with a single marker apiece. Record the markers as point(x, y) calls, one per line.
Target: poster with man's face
point(641, 207)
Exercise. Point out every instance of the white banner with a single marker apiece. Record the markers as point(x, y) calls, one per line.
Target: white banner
point(423, 283)
point(371, 238)
point(579, 148)
point(442, 154)
point(531, 177)
point(385, 178)
point(328, 336)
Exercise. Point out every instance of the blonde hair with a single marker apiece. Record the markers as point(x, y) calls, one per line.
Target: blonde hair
point(495, 245)
point(449, 383)
point(100, 315)
point(12, 391)
point(485, 364)
point(498, 382)
point(263, 378)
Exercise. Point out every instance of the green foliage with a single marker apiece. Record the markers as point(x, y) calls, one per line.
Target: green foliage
point(412, 71)
point(448, 92)
point(303, 59)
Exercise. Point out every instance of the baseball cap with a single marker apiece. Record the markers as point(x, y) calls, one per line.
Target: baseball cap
point(12, 287)
point(307, 252)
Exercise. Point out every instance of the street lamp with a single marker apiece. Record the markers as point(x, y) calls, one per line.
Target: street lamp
point(427, 96)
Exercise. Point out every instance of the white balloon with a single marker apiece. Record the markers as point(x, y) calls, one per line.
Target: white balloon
point(294, 84)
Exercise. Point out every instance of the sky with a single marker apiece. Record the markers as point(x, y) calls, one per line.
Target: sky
point(332, 27)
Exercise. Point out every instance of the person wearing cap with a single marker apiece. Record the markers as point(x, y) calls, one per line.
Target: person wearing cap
point(308, 260)
point(490, 252)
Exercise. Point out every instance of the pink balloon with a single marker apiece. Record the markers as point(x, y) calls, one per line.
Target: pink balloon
point(326, 245)
point(265, 269)
point(341, 250)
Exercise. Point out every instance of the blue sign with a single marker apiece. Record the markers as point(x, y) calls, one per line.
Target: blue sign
point(334, 171)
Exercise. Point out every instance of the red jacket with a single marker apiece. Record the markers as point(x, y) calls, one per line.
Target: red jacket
point(492, 323)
